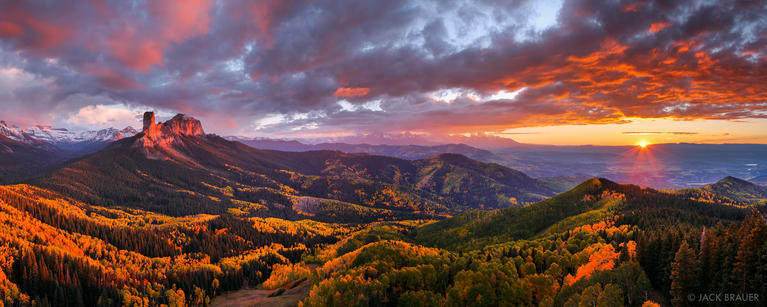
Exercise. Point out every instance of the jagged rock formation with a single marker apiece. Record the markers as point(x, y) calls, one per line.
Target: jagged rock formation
point(178, 125)
point(183, 125)
point(160, 141)
point(148, 120)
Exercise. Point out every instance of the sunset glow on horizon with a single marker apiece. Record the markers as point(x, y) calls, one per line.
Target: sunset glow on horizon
point(534, 72)
point(383, 152)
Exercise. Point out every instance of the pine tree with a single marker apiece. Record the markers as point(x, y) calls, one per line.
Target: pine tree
point(684, 275)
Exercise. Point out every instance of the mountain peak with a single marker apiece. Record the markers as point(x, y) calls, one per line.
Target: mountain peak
point(738, 189)
point(148, 120)
point(731, 181)
point(731, 178)
point(160, 140)
point(184, 125)
point(5, 130)
point(178, 125)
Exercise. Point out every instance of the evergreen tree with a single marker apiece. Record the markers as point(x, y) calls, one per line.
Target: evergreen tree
point(684, 275)
point(611, 296)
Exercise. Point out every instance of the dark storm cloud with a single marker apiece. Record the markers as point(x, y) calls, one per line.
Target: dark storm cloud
point(236, 62)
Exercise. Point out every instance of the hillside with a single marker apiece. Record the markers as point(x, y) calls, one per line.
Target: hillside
point(57, 251)
point(27, 153)
point(729, 189)
point(600, 241)
point(177, 216)
point(20, 160)
point(760, 180)
point(600, 244)
point(175, 168)
point(738, 189)
point(592, 201)
point(600, 237)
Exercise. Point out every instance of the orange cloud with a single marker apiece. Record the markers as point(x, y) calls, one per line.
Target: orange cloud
point(8, 29)
point(656, 27)
point(351, 91)
point(139, 56)
point(633, 7)
point(182, 19)
point(178, 21)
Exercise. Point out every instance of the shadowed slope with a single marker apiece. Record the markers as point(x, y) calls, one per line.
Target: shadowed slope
point(21, 160)
point(175, 168)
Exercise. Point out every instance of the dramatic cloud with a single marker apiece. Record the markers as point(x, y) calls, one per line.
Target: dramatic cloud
point(351, 92)
point(337, 67)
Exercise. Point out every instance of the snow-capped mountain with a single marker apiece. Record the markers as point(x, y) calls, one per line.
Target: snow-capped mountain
point(62, 137)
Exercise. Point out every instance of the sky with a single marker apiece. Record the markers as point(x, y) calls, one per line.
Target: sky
point(568, 72)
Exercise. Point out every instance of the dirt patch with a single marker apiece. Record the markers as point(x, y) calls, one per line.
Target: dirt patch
point(260, 297)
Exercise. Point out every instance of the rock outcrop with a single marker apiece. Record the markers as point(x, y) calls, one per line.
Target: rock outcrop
point(161, 140)
point(148, 120)
point(178, 125)
point(183, 125)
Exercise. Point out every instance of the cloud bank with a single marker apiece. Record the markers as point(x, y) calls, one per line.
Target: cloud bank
point(299, 67)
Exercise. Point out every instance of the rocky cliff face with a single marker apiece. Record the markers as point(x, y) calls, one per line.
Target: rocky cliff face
point(178, 125)
point(148, 120)
point(183, 125)
point(161, 140)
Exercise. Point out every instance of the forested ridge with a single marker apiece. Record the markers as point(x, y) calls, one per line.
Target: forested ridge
point(326, 228)
point(61, 252)
point(600, 244)
point(220, 175)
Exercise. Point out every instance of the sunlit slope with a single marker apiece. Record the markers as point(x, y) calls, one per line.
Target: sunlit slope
point(63, 252)
point(600, 243)
point(594, 200)
point(208, 174)
point(730, 189)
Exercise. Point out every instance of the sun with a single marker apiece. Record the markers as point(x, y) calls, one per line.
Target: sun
point(643, 143)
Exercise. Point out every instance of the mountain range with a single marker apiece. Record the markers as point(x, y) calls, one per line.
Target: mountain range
point(175, 168)
point(29, 152)
point(173, 215)
point(399, 151)
point(64, 139)
point(659, 165)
